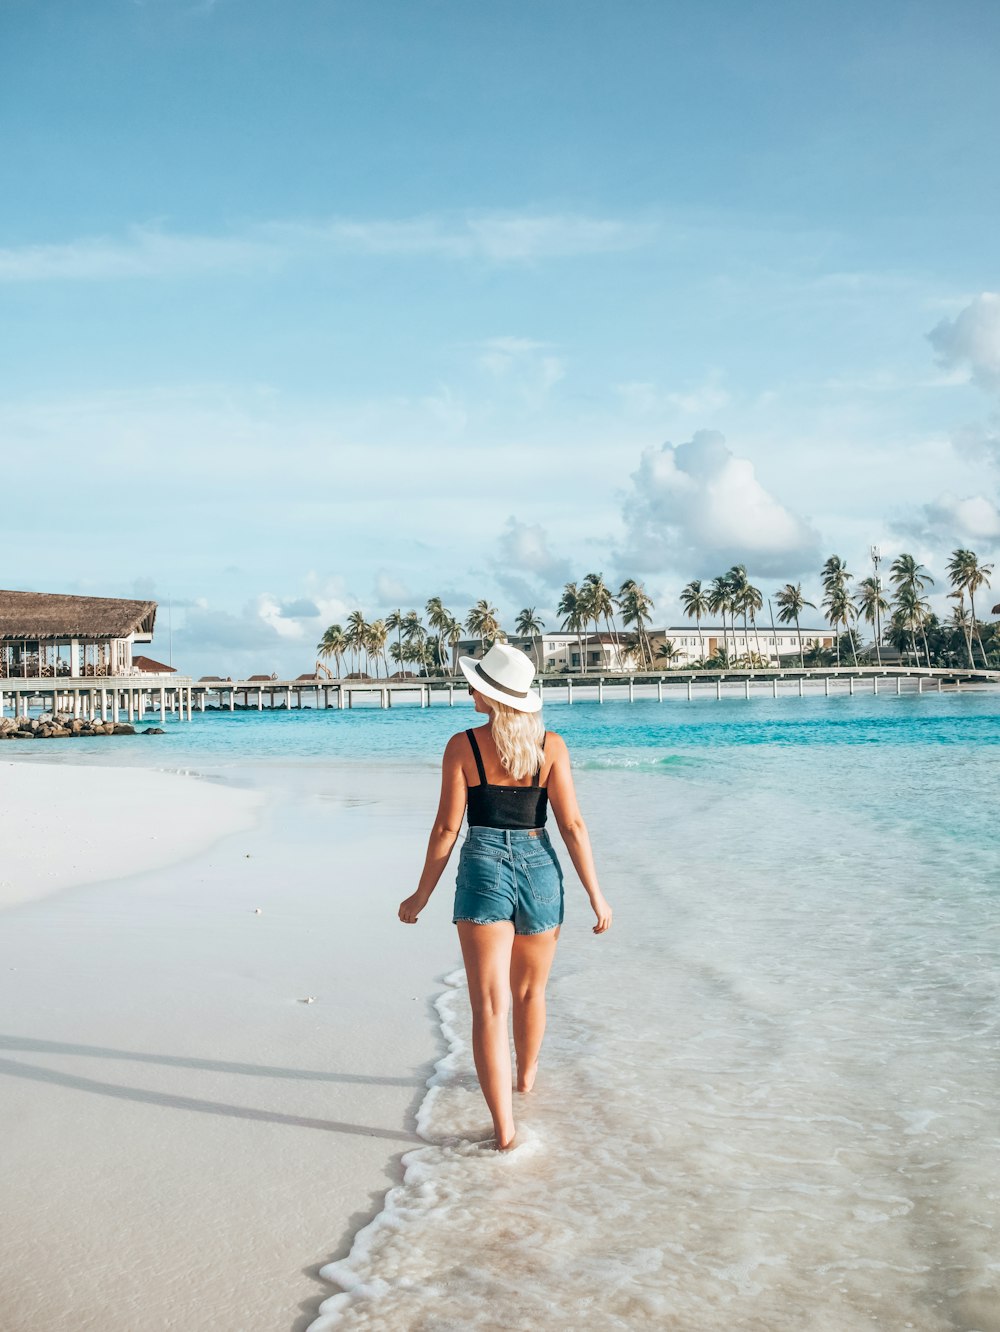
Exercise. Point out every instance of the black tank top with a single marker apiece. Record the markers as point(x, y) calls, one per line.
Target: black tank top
point(505, 806)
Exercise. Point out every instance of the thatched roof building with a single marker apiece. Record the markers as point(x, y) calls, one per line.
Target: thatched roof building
point(46, 633)
point(45, 616)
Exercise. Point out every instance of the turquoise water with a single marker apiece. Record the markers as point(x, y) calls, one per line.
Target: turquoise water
point(644, 733)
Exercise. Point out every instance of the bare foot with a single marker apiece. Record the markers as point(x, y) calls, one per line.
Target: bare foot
point(496, 1144)
point(526, 1077)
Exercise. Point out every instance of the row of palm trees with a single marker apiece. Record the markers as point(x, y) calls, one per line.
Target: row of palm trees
point(404, 639)
point(898, 620)
point(591, 606)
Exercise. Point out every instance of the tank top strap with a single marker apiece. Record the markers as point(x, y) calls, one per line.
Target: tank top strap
point(538, 770)
point(478, 757)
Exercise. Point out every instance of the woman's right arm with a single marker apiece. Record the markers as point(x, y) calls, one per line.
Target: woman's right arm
point(562, 798)
point(444, 833)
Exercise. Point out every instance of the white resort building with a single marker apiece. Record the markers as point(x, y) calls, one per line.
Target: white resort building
point(564, 653)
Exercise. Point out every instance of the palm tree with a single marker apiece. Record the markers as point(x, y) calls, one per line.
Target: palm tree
point(745, 600)
point(438, 618)
point(909, 576)
point(960, 620)
point(572, 606)
point(636, 606)
point(356, 636)
point(871, 606)
point(968, 574)
point(453, 634)
point(719, 603)
point(394, 620)
point(482, 620)
point(602, 606)
point(695, 602)
point(530, 626)
point(791, 604)
point(332, 644)
point(375, 639)
point(909, 613)
point(668, 652)
point(836, 598)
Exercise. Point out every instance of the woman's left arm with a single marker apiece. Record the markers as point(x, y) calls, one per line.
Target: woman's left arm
point(444, 834)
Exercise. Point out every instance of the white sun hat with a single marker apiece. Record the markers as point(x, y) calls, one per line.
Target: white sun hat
point(504, 674)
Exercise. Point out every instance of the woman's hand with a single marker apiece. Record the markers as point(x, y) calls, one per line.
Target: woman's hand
point(411, 908)
point(603, 913)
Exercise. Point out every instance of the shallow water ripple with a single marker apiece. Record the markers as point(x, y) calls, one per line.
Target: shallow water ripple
point(768, 1098)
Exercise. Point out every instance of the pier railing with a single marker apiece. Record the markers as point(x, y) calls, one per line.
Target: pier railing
point(133, 697)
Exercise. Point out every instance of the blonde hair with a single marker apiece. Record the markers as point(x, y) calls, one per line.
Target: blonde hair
point(518, 738)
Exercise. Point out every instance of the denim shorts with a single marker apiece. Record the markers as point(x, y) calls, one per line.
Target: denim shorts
point(509, 874)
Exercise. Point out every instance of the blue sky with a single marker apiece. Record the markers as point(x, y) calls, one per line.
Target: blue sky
point(314, 306)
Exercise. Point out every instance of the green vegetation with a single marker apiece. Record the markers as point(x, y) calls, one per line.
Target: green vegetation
point(902, 619)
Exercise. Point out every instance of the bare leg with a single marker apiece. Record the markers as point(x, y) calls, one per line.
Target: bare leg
point(486, 950)
point(530, 963)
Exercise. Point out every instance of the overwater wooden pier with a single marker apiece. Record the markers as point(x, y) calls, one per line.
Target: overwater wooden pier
point(134, 698)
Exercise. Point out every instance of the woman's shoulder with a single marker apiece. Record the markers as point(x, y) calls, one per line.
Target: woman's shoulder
point(459, 742)
point(554, 744)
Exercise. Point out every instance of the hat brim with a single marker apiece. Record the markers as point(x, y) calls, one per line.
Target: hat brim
point(531, 702)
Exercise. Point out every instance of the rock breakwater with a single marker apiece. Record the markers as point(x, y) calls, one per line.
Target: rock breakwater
point(61, 726)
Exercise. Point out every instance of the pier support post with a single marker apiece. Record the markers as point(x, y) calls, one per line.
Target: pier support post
point(451, 695)
point(920, 684)
point(958, 685)
point(826, 686)
point(690, 687)
point(350, 699)
point(746, 687)
point(76, 703)
point(939, 684)
point(260, 700)
point(340, 698)
point(897, 685)
point(875, 684)
point(163, 705)
point(600, 690)
point(774, 687)
point(383, 698)
point(718, 687)
point(131, 705)
point(104, 704)
point(850, 685)
point(801, 682)
point(569, 690)
point(631, 688)
point(659, 691)
point(201, 701)
point(232, 700)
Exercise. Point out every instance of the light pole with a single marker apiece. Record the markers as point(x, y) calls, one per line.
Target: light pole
point(876, 560)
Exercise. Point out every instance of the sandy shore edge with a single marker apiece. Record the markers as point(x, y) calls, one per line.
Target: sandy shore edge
point(70, 825)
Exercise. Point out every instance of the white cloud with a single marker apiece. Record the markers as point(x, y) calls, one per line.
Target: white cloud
point(949, 521)
point(698, 505)
point(390, 590)
point(151, 251)
point(644, 398)
point(979, 442)
point(523, 548)
point(972, 340)
point(530, 366)
point(142, 253)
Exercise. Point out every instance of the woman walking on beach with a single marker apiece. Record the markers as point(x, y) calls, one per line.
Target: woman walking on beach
point(509, 892)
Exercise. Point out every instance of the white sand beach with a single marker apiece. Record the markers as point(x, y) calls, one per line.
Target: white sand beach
point(185, 1141)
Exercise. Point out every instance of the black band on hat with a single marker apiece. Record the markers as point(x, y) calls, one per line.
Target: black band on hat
point(504, 689)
